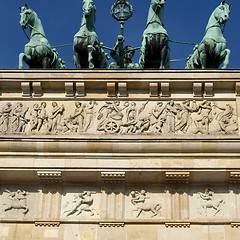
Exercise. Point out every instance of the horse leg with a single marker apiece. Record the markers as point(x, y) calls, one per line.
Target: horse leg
point(203, 55)
point(23, 58)
point(143, 49)
point(163, 50)
point(90, 49)
point(154, 211)
point(139, 212)
point(71, 211)
point(90, 210)
point(163, 57)
point(217, 210)
point(20, 62)
point(25, 210)
point(8, 208)
point(226, 55)
point(46, 63)
point(78, 212)
point(76, 59)
point(205, 209)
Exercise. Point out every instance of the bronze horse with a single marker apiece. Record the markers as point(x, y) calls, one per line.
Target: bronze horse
point(88, 52)
point(38, 52)
point(155, 51)
point(212, 51)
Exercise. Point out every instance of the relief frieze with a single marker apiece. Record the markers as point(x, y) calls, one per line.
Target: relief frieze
point(209, 204)
point(143, 204)
point(82, 202)
point(16, 202)
point(119, 117)
point(152, 203)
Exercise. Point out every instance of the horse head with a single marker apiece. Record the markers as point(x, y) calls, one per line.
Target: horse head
point(157, 4)
point(26, 16)
point(88, 8)
point(222, 12)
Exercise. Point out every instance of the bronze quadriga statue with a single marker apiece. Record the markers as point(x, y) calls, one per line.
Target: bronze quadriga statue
point(88, 51)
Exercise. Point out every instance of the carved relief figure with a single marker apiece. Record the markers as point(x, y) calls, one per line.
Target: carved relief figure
point(19, 120)
point(77, 117)
point(225, 119)
point(17, 200)
point(170, 111)
point(157, 118)
point(88, 114)
point(38, 117)
point(42, 116)
point(129, 125)
point(143, 119)
point(110, 116)
point(55, 117)
point(138, 199)
point(183, 115)
point(34, 117)
point(5, 117)
point(81, 202)
point(204, 117)
point(208, 202)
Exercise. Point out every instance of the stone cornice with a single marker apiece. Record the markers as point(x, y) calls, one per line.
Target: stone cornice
point(121, 83)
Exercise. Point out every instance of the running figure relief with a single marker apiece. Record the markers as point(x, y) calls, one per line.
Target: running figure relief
point(209, 204)
point(17, 201)
point(141, 203)
point(82, 202)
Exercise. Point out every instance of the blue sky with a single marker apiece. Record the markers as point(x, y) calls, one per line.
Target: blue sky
point(184, 20)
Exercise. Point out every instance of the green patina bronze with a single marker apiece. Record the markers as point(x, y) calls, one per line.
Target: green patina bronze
point(127, 52)
point(155, 51)
point(88, 52)
point(38, 53)
point(212, 51)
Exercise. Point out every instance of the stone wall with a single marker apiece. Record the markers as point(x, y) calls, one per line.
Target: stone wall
point(103, 155)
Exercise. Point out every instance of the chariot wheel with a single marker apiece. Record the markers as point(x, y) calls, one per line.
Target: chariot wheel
point(111, 127)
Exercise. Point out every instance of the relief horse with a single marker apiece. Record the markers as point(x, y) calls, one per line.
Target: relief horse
point(37, 52)
point(155, 51)
point(88, 52)
point(212, 50)
point(154, 208)
point(212, 204)
point(18, 200)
